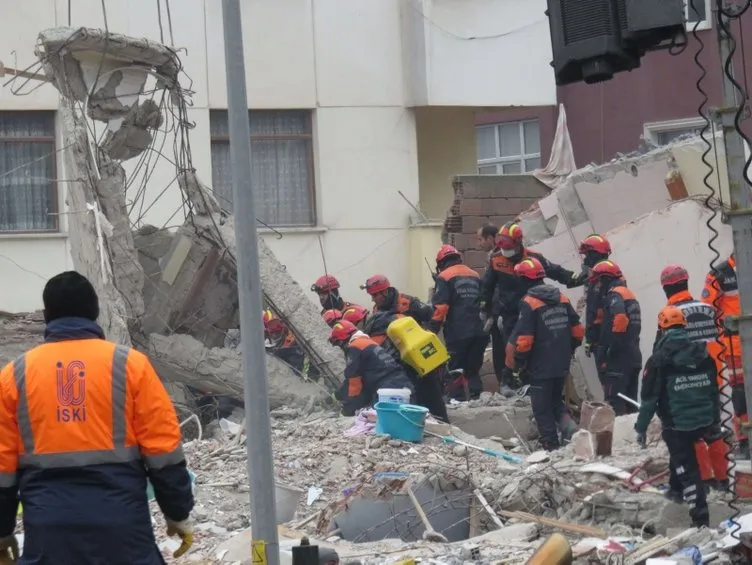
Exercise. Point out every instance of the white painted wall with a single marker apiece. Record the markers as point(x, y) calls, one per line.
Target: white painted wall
point(357, 63)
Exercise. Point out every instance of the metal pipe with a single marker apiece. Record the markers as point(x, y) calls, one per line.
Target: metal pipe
point(258, 426)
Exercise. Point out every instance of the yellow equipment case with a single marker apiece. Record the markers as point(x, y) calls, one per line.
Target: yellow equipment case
point(419, 348)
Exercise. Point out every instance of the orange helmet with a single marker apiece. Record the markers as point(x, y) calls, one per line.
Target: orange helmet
point(671, 316)
point(331, 316)
point(325, 283)
point(509, 236)
point(673, 274)
point(272, 324)
point(375, 284)
point(341, 332)
point(605, 269)
point(596, 243)
point(355, 314)
point(530, 268)
point(445, 252)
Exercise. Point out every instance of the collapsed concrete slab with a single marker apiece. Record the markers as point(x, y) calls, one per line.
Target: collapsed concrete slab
point(184, 359)
point(174, 295)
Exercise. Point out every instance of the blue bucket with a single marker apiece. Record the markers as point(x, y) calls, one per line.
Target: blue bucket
point(401, 421)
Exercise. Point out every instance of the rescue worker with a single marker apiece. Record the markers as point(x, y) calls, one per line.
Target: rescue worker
point(502, 290)
point(281, 342)
point(332, 316)
point(429, 391)
point(679, 385)
point(701, 328)
point(369, 368)
point(594, 249)
point(385, 298)
point(618, 355)
point(721, 291)
point(542, 343)
point(456, 304)
point(487, 242)
point(85, 422)
point(357, 315)
point(327, 289)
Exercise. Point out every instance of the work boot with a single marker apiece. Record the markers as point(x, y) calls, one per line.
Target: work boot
point(506, 391)
point(568, 428)
point(674, 496)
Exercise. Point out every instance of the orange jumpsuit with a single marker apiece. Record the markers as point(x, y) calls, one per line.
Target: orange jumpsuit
point(721, 291)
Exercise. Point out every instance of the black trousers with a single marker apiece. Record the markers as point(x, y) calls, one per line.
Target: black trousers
point(498, 344)
point(467, 354)
point(621, 379)
point(508, 324)
point(429, 393)
point(548, 409)
point(685, 472)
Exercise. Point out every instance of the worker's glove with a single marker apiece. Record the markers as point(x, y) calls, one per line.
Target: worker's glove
point(483, 317)
point(516, 380)
point(184, 530)
point(642, 440)
point(9, 549)
point(488, 324)
point(586, 347)
point(576, 280)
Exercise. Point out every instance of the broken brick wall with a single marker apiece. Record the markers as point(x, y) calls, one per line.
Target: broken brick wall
point(480, 199)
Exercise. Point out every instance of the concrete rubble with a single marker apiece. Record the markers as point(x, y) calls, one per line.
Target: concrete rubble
point(341, 471)
point(170, 294)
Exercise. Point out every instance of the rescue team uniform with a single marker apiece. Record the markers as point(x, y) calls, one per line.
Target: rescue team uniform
point(456, 308)
point(721, 291)
point(679, 385)
point(84, 423)
point(508, 288)
point(369, 368)
point(409, 306)
point(498, 343)
point(701, 328)
point(542, 343)
point(428, 388)
point(618, 355)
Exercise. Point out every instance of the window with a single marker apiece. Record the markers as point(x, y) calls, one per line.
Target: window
point(508, 149)
point(282, 165)
point(28, 192)
point(698, 11)
point(663, 133)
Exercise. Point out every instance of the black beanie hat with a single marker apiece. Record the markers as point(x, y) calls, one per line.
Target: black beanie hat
point(70, 294)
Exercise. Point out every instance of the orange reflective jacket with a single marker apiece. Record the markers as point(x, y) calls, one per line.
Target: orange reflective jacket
point(84, 402)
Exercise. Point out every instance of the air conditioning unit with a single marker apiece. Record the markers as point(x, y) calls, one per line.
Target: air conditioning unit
point(594, 39)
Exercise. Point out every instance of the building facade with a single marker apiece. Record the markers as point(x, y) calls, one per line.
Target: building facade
point(658, 101)
point(362, 112)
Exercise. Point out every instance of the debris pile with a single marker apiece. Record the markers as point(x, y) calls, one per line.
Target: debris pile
point(339, 476)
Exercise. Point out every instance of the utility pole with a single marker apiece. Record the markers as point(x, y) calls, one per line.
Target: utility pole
point(740, 213)
point(258, 428)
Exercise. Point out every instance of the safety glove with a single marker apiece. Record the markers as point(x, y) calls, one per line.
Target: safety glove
point(184, 530)
point(516, 380)
point(9, 550)
point(586, 347)
point(487, 325)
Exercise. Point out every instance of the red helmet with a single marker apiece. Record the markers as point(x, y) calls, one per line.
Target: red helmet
point(375, 284)
point(673, 274)
point(530, 268)
point(326, 283)
point(596, 243)
point(509, 236)
point(341, 332)
point(272, 324)
point(445, 252)
point(331, 316)
point(355, 314)
point(605, 269)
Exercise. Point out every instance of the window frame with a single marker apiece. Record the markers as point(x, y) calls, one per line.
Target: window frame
point(498, 160)
point(705, 24)
point(652, 128)
point(225, 140)
point(53, 184)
